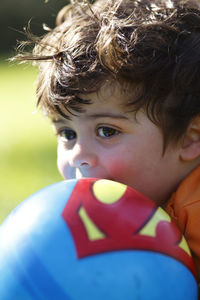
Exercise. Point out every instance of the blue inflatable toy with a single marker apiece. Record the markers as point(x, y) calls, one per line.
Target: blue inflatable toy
point(92, 239)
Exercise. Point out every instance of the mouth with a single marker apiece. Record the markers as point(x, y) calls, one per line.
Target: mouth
point(79, 176)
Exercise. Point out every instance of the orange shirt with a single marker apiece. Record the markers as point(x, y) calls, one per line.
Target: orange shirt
point(184, 208)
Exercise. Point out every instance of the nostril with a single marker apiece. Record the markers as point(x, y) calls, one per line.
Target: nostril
point(84, 164)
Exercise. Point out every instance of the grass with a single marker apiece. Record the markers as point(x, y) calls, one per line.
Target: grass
point(28, 144)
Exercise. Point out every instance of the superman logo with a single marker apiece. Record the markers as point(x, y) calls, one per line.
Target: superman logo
point(104, 215)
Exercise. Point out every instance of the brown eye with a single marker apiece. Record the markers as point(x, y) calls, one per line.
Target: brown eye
point(67, 134)
point(107, 131)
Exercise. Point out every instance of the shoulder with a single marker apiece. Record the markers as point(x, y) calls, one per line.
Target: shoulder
point(184, 204)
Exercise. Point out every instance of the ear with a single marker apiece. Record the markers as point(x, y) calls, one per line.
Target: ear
point(190, 149)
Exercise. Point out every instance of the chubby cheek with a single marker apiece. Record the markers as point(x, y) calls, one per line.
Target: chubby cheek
point(63, 165)
point(128, 172)
point(65, 169)
point(120, 170)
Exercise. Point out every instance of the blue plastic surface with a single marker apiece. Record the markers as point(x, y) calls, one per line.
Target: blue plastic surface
point(38, 260)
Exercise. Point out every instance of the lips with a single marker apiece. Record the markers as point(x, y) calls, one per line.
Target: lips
point(91, 175)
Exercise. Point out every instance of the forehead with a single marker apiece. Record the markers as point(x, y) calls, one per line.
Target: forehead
point(115, 93)
point(111, 97)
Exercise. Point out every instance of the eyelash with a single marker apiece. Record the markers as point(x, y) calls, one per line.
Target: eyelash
point(61, 133)
point(101, 132)
point(110, 130)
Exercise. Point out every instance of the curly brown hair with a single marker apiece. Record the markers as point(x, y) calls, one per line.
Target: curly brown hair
point(151, 44)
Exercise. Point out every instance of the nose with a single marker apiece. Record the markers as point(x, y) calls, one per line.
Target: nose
point(82, 155)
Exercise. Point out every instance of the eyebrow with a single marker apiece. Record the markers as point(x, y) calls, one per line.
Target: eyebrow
point(96, 116)
point(57, 121)
point(107, 115)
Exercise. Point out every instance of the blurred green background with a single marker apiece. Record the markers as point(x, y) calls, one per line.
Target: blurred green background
point(28, 144)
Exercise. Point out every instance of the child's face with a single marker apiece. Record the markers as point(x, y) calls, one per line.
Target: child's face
point(107, 142)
